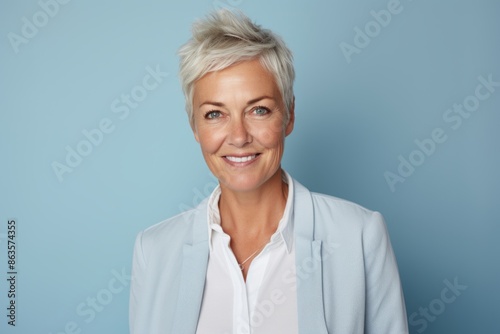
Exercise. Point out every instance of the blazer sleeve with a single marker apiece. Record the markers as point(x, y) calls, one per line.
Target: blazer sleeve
point(136, 285)
point(385, 308)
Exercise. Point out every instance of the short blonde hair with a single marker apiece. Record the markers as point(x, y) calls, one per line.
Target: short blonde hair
point(225, 38)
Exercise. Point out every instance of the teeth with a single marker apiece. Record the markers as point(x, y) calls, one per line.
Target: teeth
point(241, 159)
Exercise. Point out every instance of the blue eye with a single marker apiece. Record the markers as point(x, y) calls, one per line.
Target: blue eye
point(261, 111)
point(212, 114)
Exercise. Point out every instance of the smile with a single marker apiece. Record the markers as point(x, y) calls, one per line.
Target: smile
point(241, 159)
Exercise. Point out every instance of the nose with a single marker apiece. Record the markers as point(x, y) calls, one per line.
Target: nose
point(238, 134)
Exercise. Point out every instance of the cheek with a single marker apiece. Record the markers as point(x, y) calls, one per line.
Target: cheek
point(210, 140)
point(271, 135)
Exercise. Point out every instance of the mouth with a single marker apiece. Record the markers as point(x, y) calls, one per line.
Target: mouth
point(241, 159)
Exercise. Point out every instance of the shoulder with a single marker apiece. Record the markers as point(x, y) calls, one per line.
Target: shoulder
point(174, 225)
point(339, 207)
point(172, 232)
point(329, 207)
point(333, 214)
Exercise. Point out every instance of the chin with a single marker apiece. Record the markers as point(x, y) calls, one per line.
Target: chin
point(242, 183)
point(245, 182)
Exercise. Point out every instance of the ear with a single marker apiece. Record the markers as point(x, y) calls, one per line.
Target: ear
point(291, 118)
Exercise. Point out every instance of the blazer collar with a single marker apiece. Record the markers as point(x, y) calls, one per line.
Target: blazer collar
point(308, 264)
point(193, 272)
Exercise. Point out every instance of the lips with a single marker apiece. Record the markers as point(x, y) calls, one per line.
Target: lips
point(241, 158)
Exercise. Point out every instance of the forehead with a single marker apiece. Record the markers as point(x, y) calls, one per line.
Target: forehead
point(245, 80)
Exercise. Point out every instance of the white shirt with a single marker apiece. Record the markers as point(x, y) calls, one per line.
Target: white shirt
point(265, 303)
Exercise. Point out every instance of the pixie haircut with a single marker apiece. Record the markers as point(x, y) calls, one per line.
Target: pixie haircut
point(225, 38)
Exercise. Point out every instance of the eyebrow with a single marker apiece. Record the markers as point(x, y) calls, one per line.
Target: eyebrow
point(252, 101)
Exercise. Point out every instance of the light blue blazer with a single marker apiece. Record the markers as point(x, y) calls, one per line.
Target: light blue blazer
point(347, 279)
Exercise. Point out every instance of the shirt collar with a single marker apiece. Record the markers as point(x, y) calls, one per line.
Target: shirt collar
point(285, 228)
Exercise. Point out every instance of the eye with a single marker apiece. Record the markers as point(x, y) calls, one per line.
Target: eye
point(213, 114)
point(261, 111)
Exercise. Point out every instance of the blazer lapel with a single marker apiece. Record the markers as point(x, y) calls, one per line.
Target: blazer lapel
point(193, 273)
point(308, 262)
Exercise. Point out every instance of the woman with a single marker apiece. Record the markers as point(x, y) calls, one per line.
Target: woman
point(262, 254)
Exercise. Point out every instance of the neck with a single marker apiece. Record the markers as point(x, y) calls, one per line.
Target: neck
point(254, 213)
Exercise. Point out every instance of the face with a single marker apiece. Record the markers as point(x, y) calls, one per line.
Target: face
point(239, 122)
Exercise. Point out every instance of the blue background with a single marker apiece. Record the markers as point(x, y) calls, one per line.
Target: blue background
point(354, 117)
